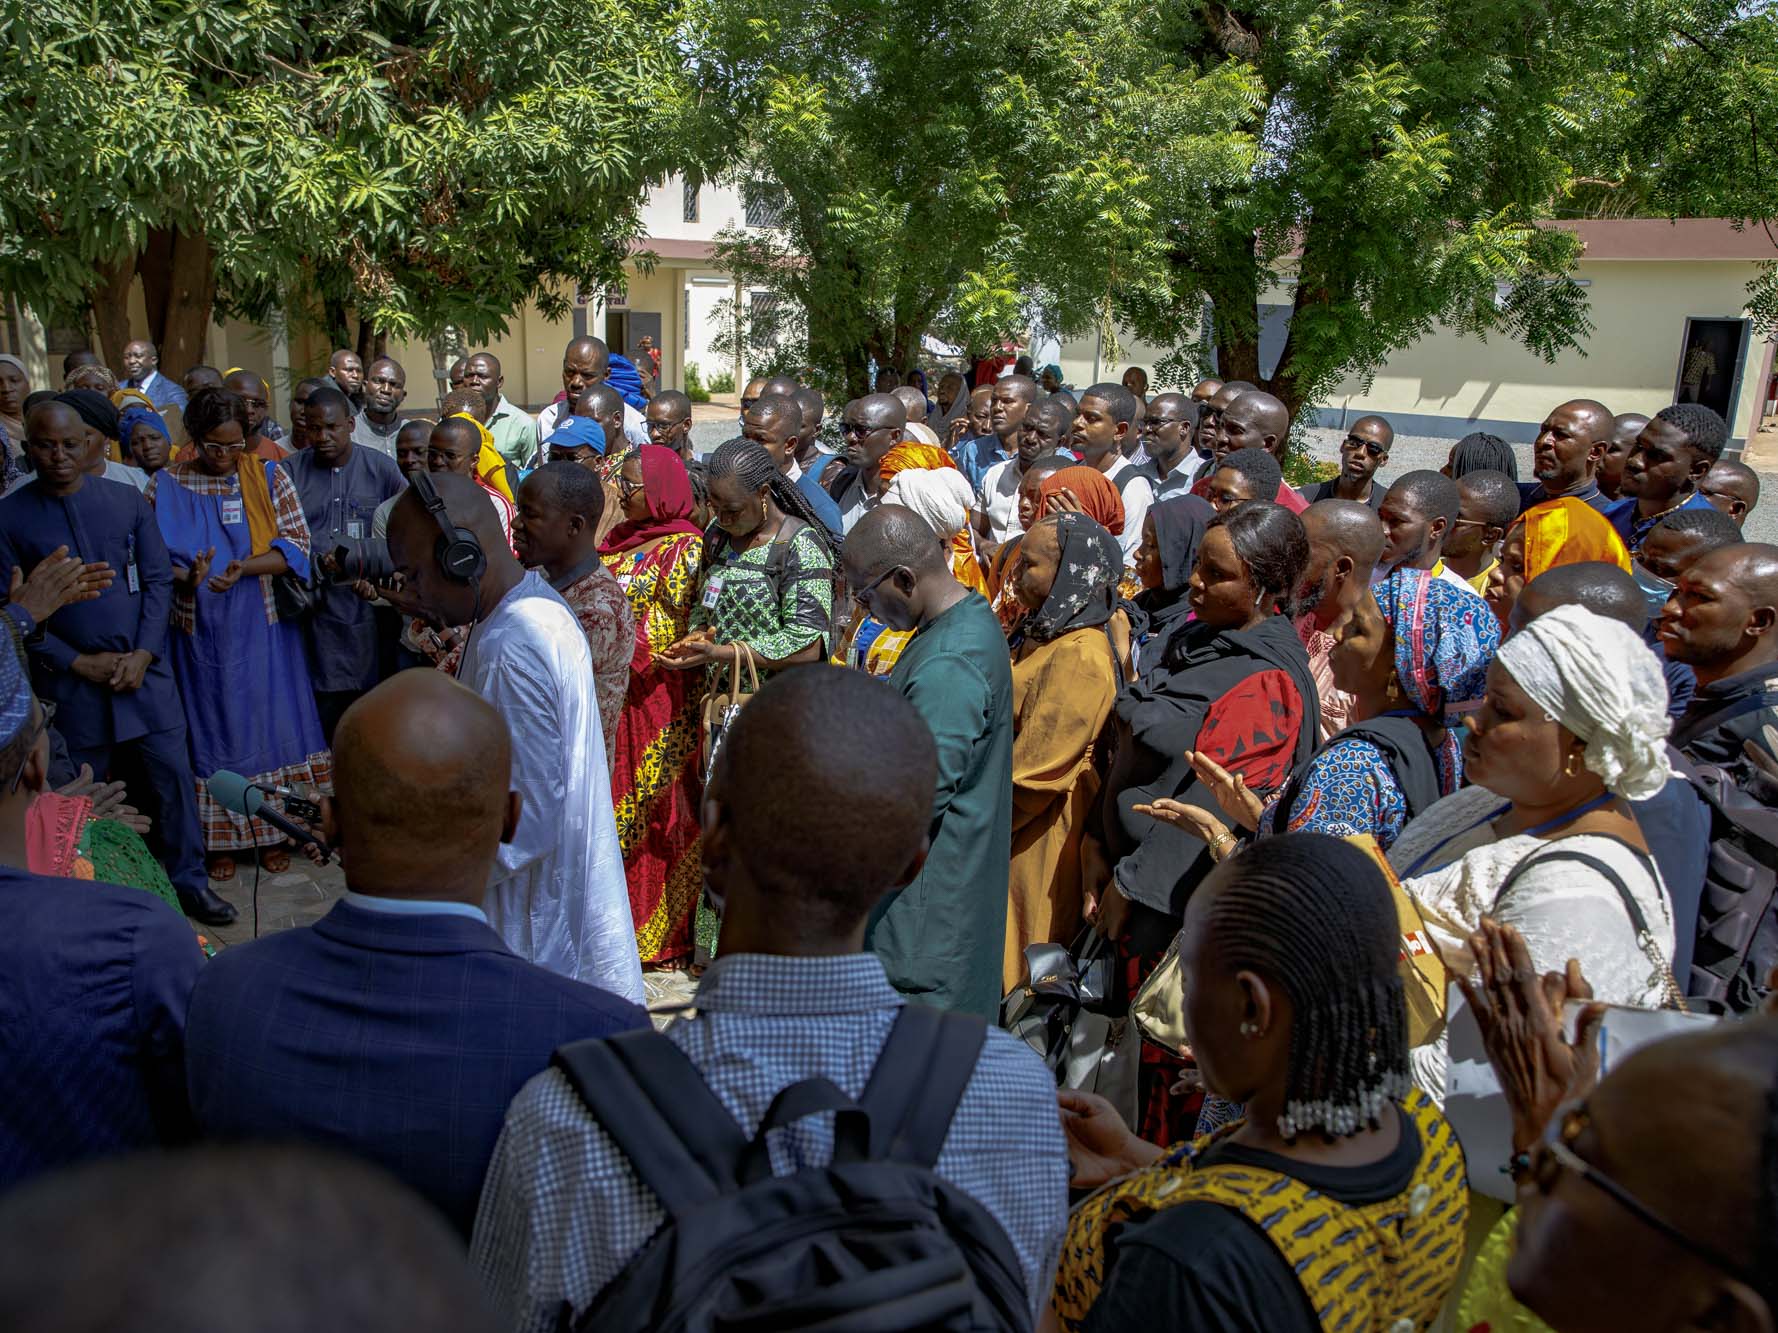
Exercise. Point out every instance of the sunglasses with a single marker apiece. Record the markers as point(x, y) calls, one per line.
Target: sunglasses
point(1374, 450)
point(1555, 1154)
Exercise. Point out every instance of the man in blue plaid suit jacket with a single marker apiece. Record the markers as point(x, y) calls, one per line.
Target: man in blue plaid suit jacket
point(399, 1026)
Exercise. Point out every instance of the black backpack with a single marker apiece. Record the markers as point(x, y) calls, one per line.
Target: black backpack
point(874, 1242)
point(1737, 937)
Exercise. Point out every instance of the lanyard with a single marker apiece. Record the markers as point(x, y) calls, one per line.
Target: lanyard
point(1567, 816)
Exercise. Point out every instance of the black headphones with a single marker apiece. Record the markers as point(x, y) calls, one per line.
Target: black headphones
point(460, 556)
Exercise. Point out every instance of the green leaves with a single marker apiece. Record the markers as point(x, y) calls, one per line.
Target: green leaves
point(427, 165)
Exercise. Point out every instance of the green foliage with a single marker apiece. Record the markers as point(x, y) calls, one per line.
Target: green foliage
point(694, 384)
point(933, 158)
point(1409, 149)
point(722, 382)
point(427, 164)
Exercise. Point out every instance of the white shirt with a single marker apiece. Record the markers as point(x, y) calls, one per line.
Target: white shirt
point(999, 498)
point(557, 894)
point(548, 420)
point(854, 503)
point(1138, 494)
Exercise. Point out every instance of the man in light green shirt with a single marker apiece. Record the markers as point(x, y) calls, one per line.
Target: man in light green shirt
point(514, 430)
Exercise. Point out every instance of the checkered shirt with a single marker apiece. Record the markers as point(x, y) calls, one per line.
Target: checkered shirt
point(562, 1213)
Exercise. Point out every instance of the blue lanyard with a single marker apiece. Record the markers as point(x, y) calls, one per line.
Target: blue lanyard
point(1565, 817)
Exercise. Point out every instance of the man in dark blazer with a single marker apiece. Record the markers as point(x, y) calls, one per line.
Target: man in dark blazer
point(399, 1026)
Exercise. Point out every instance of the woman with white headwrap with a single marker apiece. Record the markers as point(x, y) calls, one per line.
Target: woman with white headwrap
point(1573, 727)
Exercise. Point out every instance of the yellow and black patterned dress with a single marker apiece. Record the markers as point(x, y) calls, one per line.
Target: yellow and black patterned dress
point(1380, 1267)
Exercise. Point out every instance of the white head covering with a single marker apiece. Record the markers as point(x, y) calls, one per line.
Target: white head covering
point(940, 495)
point(1597, 678)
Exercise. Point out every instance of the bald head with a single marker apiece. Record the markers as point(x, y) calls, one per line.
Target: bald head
point(1346, 540)
point(1204, 390)
point(422, 766)
point(1722, 618)
point(791, 894)
point(784, 386)
point(912, 401)
point(1254, 420)
point(1347, 526)
point(890, 536)
point(883, 411)
point(591, 352)
point(1603, 589)
point(571, 488)
point(1732, 487)
point(600, 402)
point(776, 412)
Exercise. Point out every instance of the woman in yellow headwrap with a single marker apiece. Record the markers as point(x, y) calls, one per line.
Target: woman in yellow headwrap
point(1563, 531)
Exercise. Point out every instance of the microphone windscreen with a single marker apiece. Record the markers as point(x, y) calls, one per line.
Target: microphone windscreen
point(232, 792)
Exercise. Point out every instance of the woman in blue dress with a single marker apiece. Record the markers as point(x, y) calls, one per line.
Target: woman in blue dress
point(232, 524)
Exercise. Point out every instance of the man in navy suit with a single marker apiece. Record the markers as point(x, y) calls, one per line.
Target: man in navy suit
point(399, 1026)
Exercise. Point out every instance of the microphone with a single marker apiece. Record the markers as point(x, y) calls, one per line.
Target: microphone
point(233, 792)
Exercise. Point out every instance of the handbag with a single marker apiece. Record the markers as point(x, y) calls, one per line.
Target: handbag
point(1063, 1012)
point(722, 707)
point(1159, 1007)
point(293, 598)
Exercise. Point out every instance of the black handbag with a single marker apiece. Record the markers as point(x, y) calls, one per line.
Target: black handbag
point(1063, 1011)
point(293, 598)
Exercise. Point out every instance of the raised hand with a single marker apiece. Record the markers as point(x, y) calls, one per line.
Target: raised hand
point(1100, 1145)
point(1230, 789)
point(1520, 1015)
point(58, 580)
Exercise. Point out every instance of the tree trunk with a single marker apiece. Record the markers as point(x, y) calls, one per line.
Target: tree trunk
point(111, 308)
point(366, 339)
point(155, 264)
point(191, 298)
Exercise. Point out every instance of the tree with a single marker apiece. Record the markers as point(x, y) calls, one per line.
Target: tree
point(1410, 150)
point(930, 158)
point(421, 164)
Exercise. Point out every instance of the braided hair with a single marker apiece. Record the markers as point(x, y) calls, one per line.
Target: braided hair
point(1314, 914)
point(753, 467)
point(1479, 451)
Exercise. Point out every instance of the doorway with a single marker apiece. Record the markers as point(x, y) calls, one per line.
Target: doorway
point(624, 329)
point(1711, 360)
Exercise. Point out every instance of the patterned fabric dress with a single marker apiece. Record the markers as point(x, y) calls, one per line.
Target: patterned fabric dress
point(242, 672)
point(654, 785)
point(619, 650)
point(1383, 1265)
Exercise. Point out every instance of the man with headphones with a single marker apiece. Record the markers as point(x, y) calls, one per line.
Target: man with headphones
point(558, 895)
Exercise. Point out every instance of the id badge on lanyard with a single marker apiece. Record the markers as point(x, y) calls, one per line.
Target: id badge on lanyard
point(712, 590)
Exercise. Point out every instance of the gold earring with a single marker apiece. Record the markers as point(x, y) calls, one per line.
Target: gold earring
point(1569, 769)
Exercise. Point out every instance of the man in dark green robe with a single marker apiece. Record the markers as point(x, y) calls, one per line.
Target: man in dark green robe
point(942, 936)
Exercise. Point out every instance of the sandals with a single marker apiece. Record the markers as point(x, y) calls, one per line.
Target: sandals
point(274, 860)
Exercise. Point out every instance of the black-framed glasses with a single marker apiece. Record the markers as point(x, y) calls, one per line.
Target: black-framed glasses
point(1555, 1153)
point(1370, 447)
point(862, 596)
point(46, 714)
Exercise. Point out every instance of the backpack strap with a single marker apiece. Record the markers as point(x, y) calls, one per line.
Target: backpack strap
point(812, 1096)
point(680, 1139)
point(919, 1078)
point(1709, 720)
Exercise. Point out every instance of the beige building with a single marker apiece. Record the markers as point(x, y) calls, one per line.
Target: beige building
point(673, 293)
point(1668, 304)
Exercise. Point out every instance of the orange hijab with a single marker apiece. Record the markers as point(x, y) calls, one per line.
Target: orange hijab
point(1096, 493)
point(1566, 531)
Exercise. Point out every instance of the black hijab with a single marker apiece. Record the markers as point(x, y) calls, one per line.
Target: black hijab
point(94, 408)
point(1179, 527)
point(1085, 591)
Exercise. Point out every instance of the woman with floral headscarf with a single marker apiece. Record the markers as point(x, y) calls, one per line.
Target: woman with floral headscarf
point(1065, 677)
point(1415, 646)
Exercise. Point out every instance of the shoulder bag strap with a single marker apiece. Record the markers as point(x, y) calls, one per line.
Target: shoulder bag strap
point(1686, 733)
point(1645, 939)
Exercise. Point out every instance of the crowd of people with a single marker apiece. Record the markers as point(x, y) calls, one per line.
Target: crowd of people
point(852, 719)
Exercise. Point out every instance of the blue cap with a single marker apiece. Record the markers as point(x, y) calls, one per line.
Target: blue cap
point(578, 431)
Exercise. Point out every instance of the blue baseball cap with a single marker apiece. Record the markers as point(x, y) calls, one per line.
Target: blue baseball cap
point(575, 432)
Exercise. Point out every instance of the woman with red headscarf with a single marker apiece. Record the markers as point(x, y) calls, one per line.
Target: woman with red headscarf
point(655, 553)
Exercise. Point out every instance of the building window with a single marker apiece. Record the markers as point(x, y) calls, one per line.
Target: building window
point(691, 202)
point(765, 204)
point(762, 308)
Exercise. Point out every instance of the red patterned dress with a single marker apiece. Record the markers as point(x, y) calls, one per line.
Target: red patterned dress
point(654, 785)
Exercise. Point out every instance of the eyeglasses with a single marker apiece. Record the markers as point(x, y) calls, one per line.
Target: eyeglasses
point(1555, 1154)
point(862, 596)
point(46, 714)
point(211, 446)
point(626, 488)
